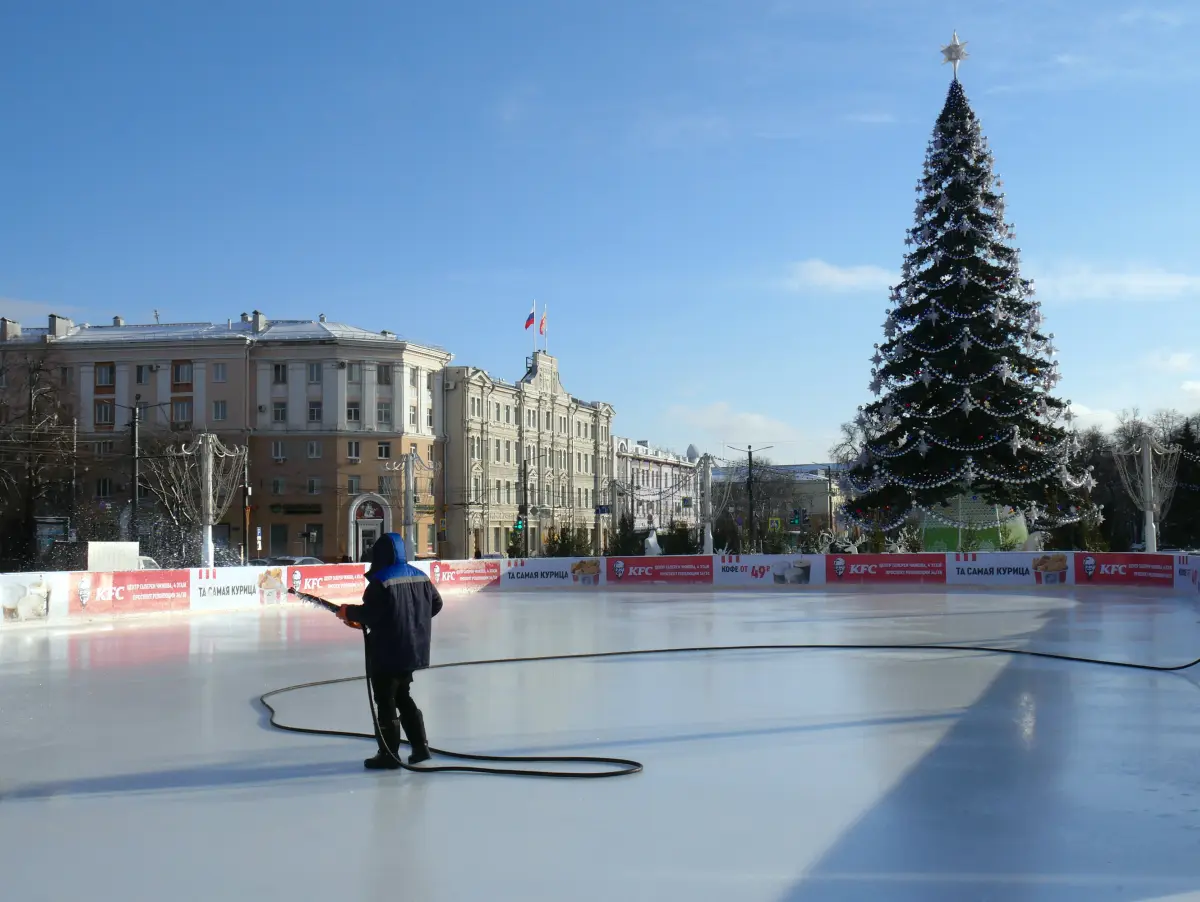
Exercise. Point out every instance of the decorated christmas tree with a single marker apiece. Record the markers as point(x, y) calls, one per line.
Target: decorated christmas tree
point(964, 379)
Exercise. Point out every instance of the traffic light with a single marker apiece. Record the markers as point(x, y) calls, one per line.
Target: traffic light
point(520, 523)
point(795, 521)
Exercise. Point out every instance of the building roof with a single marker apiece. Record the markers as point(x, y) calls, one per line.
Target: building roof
point(287, 330)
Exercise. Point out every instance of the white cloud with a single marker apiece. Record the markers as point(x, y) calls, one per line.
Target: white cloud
point(717, 424)
point(1085, 282)
point(1087, 417)
point(1191, 387)
point(1172, 361)
point(817, 275)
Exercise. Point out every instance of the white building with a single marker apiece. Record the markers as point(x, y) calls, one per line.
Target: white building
point(529, 442)
point(659, 486)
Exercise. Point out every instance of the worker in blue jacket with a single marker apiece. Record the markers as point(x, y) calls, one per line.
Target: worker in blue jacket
point(398, 608)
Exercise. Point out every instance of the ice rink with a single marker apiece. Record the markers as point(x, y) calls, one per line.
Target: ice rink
point(137, 765)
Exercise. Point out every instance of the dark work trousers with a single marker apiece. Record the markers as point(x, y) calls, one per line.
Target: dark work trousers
point(392, 696)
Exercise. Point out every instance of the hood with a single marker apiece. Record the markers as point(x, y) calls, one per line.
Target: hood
point(388, 551)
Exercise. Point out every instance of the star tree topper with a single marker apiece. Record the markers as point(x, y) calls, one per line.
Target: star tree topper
point(955, 52)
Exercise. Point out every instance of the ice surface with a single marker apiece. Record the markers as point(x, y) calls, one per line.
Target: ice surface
point(134, 762)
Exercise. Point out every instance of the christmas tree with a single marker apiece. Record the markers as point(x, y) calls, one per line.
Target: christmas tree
point(965, 375)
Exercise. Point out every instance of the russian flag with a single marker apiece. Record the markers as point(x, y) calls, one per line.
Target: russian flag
point(532, 315)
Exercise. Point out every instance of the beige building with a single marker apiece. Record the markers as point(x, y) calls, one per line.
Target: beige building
point(527, 442)
point(329, 411)
point(659, 487)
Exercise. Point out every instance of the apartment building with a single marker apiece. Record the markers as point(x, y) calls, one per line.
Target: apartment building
point(526, 442)
point(328, 411)
point(659, 487)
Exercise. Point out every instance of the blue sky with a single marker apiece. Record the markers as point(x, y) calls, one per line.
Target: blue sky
point(710, 196)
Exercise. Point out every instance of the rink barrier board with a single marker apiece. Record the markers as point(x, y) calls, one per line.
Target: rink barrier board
point(60, 596)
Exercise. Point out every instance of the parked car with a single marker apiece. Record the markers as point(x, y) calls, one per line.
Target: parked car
point(290, 560)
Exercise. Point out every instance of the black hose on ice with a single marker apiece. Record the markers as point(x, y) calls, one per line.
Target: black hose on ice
point(623, 766)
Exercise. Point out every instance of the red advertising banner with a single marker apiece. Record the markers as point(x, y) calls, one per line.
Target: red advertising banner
point(691, 570)
point(465, 576)
point(1125, 569)
point(129, 592)
point(885, 568)
point(341, 583)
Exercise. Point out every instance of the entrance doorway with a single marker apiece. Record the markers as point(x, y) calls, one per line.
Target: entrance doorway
point(370, 518)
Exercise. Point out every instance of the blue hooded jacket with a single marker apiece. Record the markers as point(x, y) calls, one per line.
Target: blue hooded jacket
point(398, 607)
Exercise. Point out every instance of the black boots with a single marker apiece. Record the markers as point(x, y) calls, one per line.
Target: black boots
point(388, 737)
point(414, 728)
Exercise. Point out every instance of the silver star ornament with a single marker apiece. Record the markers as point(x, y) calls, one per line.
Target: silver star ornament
point(954, 53)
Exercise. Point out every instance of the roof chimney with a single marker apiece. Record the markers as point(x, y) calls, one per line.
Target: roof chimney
point(60, 326)
point(118, 321)
point(9, 329)
point(320, 317)
point(245, 317)
point(260, 321)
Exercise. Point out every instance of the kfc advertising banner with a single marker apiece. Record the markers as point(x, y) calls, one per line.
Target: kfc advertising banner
point(222, 588)
point(464, 576)
point(1009, 568)
point(531, 573)
point(1109, 569)
point(885, 568)
point(28, 597)
point(339, 583)
point(692, 570)
point(768, 570)
point(129, 592)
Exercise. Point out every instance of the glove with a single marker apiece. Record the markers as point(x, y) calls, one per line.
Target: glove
point(341, 615)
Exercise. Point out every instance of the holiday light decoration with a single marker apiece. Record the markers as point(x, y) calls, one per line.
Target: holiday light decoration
point(963, 381)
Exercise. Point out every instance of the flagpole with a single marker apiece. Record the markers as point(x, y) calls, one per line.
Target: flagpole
point(546, 337)
point(535, 329)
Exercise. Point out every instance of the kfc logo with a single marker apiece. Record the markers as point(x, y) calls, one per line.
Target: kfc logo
point(296, 580)
point(859, 569)
point(640, 571)
point(85, 589)
point(435, 570)
point(839, 567)
point(619, 569)
point(1089, 566)
point(1111, 569)
point(313, 583)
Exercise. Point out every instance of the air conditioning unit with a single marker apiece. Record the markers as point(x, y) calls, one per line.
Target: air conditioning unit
point(280, 460)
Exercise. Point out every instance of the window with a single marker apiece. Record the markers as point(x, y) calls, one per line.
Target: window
point(387, 485)
point(279, 412)
point(412, 415)
point(106, 374)
point(181, 373)
point(384, 450)
point(66, 376)
point(508, 452)
point(104, 411)
point(315, 411)
point(314, 373)
point(102, 448)
point(279, 373)
point(103, 487)
point(354, 450)
point(278, 486)
point(429, 417)
point(430, 536)
point(508, 493)
point(219, 372)
point(279, 538)
point(412, 376)
point(314, 450)
point(507, 414)
point(429, 386)
point(497, 450)
point(278, 450)
point(141, 374)
point(497, 491)
point(353, 412)
point(475, 488)
point(314, 485)
point(497, 412)
point(181, 411)
point(354, 373)
point(353, 485)
point(383, 374)
point(314, 543)
point(220, 410)
point(383, 413)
